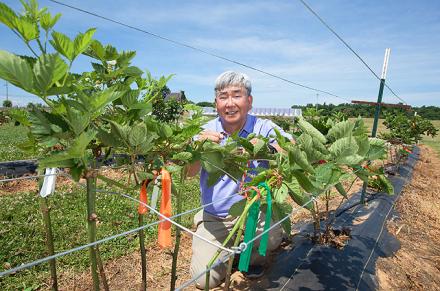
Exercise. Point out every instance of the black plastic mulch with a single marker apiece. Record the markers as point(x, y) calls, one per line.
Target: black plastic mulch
point(316, 267)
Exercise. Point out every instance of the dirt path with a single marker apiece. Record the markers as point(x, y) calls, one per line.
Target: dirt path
point(416, 266)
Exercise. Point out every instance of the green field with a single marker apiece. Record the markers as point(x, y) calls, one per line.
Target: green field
point(10, 137)
point(427, 140)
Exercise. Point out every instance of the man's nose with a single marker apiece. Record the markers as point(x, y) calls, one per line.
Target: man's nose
point(230, 101)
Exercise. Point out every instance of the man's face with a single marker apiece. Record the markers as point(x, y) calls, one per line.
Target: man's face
point(232, 105)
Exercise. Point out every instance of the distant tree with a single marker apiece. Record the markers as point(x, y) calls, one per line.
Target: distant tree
point(7, 103)
point(205, 104)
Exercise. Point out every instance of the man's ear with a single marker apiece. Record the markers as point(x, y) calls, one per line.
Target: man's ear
point(250, 100)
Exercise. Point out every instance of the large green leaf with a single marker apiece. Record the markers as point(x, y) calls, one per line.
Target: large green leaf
point(7, 15)
point(327, 175)
point(312, 131)
point(26, 28)
point(82, 41)
point(386, 184)
point(16, 71)
point(363, 144)
point(377, 149)
point(137, 134)
point(63, 44)
point(212, 162)
point(102, 99)
point(48, 69)
point(343, 147)
point(340, 130)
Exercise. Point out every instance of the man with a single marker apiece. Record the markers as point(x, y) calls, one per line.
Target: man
point(233, 101)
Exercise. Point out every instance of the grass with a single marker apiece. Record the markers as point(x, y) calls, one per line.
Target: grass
point(10, 137)
point(22, 233)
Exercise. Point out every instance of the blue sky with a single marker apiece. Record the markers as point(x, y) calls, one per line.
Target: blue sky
point(280, 37)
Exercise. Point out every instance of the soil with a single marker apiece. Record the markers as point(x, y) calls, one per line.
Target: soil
point(416, 266)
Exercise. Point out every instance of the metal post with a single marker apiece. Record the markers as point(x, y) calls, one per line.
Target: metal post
point(7, 91)
point(378, 106)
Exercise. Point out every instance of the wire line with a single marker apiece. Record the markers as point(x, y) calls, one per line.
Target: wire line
point(199, 50)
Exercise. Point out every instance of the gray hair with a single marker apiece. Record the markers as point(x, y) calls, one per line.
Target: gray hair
point(229, 78)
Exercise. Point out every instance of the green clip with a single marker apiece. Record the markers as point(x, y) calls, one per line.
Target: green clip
point(249, 234)
point(265, 238)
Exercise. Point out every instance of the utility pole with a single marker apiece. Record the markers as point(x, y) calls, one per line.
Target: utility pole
point(317, 97)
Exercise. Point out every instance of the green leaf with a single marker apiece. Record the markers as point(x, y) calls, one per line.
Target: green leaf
point(340, 130)
point(281, 210)
point(20, 115)
point(63, 44)
point(312, 131)
point(259, 144)
point(212, 161)
point(386, 184)
point(7, 15)
point(182, 156)
point(48, 69)
point(377, 150)
point(237, 208)
point(165, 130)
point(47, 22)
point(133, 71)
point(341, 190)
point(108, 139)
point(102, 99)
point(79, 145)
point(16, 71)
point(82, 41)
point(26, 28)
point(343, 147)
point(95, 50)
point(351, 160)
point(300, 158)
point(327, 175)
point(304, 182)
point(137, 134)
point(78, 120)
point(363, 144)
point(281, 194)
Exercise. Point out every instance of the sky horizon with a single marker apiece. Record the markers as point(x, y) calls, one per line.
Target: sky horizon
point(279, 37)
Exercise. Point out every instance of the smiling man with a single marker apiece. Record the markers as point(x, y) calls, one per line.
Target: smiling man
point(233, 101)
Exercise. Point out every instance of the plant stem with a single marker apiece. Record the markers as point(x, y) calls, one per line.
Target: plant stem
point(178, 233)
point(49, 241)
point(231, 259)
point(91, 224)
point(236, 227)
point(101, 270)
point(143, 253)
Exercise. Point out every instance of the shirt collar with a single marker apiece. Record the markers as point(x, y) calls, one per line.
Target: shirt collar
point(247, 128)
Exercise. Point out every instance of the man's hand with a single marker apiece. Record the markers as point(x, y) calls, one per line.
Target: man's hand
point(211, 135)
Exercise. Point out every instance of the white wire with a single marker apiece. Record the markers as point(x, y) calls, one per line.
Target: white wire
point(26, 178)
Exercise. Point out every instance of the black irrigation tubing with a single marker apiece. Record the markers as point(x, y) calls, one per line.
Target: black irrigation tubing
point(348, 46)
point(199, 50)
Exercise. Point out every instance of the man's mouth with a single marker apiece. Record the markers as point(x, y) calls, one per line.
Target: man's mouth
point(230, 113)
